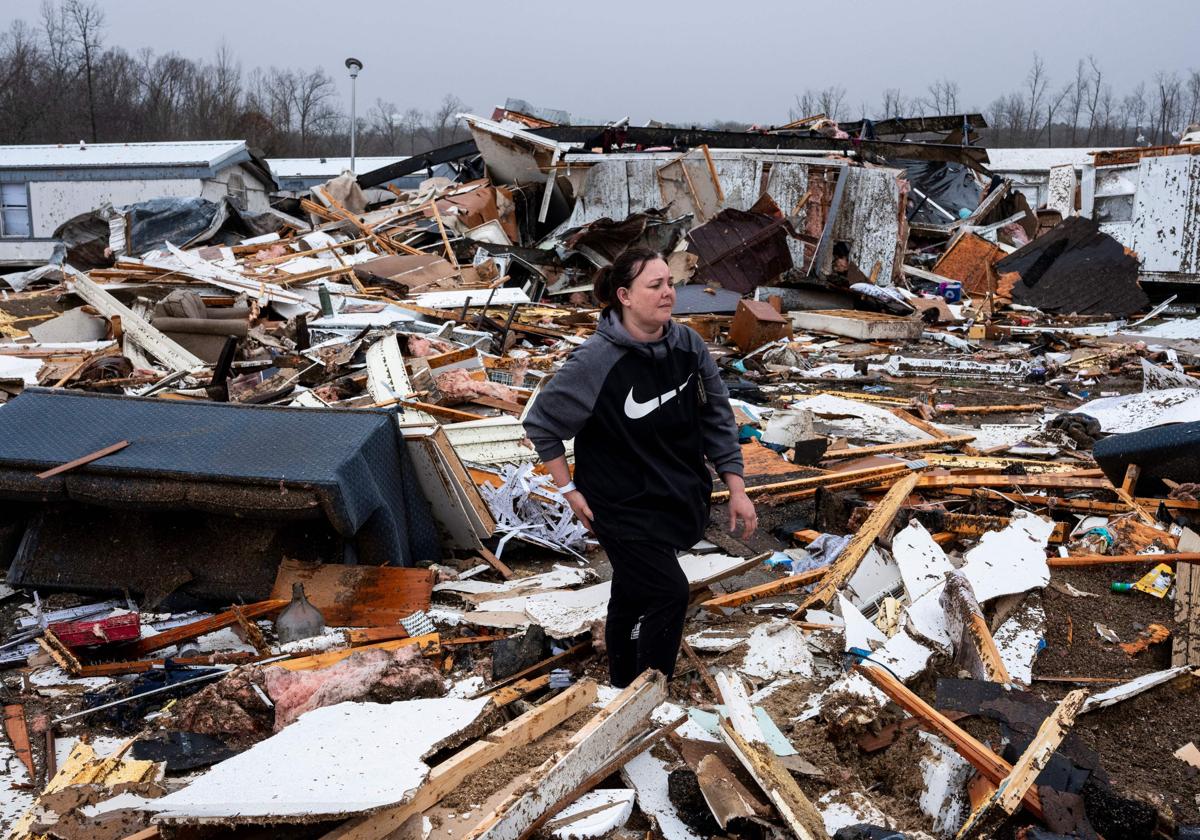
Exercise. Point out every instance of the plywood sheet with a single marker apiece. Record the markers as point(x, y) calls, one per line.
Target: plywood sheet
point(357, 596)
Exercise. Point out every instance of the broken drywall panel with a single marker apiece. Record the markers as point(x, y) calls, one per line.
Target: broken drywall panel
point(1134, 412)
point(479, 591)
point(923, 564)
point(857, 420)
point(335, 761)
point(16, 797)
point(716, 639)
point(1132, 688)
point(876, 577)
point(841, 810)
point(945, 774)
point(775, 648)
point(860, 633)
point(1158, 378)
point(1020, 638)
point(647, 774)
point(1010, 560)
point(593, 815)
point(858, 324)
point(568, 613)
point(772, 735)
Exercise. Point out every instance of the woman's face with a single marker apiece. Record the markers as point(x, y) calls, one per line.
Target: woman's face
point(650, 298)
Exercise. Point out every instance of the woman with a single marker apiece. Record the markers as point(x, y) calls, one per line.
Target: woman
point(645, 404)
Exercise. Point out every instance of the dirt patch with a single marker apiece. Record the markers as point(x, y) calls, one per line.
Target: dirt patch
point(514, 764)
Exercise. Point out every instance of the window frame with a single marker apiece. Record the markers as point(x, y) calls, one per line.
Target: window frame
point(27, 207)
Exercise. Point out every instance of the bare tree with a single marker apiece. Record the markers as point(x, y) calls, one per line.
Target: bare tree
point(1133, 116)
point(1077, 92)
point(1167, 95)
point(1094, 85)
point(412, 123)
point(894, 104)
point(1193, 94)
point(385, 124)
point(943, 97)
point(445, 118)
point(1036, 82)
point(87, 20)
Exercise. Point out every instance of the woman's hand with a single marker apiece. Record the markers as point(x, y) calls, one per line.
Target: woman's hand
point(580, 506)
point(740, 507)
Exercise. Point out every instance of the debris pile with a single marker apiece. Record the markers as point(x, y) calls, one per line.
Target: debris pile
point(279, 556)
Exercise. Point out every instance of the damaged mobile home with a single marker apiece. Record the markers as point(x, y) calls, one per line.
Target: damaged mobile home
point(281, 561)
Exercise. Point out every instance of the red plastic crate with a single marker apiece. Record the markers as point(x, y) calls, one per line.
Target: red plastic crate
point(116, 628)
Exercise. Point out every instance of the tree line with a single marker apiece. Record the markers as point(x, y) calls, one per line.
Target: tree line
point(60, 82)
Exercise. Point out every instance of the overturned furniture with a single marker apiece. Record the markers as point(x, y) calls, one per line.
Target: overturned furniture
point(206, 498)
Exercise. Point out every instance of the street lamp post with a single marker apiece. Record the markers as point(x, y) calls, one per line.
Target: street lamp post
point(354, 66)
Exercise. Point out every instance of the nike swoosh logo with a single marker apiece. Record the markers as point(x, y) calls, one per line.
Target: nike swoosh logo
point(635, 410)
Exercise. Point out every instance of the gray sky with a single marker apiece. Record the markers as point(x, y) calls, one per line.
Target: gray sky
point(698, 61)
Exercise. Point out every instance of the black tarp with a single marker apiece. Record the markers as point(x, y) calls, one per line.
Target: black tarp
point(952, 186)
point(249, 462)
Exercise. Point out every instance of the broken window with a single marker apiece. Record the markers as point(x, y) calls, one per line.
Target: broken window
point(236, 188)
point(14, 210)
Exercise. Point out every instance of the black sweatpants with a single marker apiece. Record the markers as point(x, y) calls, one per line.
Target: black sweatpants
point(646, 611)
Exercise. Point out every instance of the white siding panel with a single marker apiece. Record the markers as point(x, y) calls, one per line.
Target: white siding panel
point(54, 202)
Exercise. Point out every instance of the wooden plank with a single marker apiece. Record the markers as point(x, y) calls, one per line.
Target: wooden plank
point(740, 731)
point(496, 563)
point(1073, 481)
point(990, 409)
point(141, 331)
point(187, 632)
point(85, 459)
point(429, 643)
point(18, 735)
point(1185, 648)
point(701, 668)
point(520, 689)
point(903, 446)
point(1009, 792)
point(763, 590)
point(847, 562)
point(622, 757)
point(357, 596)
point(452, 772)
point(586, 752)
point(974, 648)
point(884, 477)
point(1108, 559)
point(989, 765)
point(141, 666)
point(814, 482)
point(725, 796)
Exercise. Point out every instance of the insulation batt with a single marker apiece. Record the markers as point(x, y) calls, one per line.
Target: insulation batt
point(381, 676)
point(458, 386)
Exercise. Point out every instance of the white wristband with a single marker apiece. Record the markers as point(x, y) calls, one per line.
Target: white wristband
point(567, 488)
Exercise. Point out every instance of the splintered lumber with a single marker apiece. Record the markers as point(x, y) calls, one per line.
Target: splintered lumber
point(990, 409)
point(740, 731)
point(815, 482)
point(701, 668)
point(1011, 789)
point(187, 632)
point(974, 648)
point(991, 766)
point(1078, 480)
point(1185, 648)
point(718, 605)
point(428, 644)
point(521, 688)
point(973, 525)
point(1105, 559)
point(141, 666)
point(622, 757)
point(545, 664)
point(455, 770)
point(18, 735)
point(886, 476)
point(903, 446)
point(847, 562)
point(588, 750)
point(723, 793)
point(496, 563)
point(145, 335)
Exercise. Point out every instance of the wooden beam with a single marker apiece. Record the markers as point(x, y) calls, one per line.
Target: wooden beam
point(1185, 647)
point(990, 409)
point(885, 476)
point(972, 525)
point(1108, 559)
point(429, 643)
point(587, 751)
point(904, 446)
point(847, 562)
point(994, 768)
point(701, 669)
point(452, 772)
point(1072, 481)
point(519, 690)
point(740, 731)
point(85, 459)
point(974, 648)
point(495, 562)
point(719, 604)
point(1010, 791)
point(187, 632)
point(814, 482)
point(545, 664)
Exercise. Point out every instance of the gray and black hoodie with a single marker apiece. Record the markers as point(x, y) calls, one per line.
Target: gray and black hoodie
point(644, 415)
